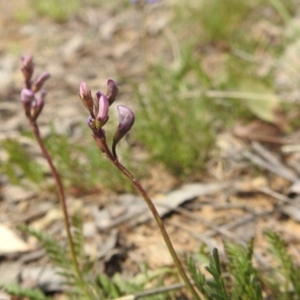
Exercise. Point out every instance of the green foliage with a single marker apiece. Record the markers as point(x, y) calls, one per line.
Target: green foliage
point(61, 10)
point(175, 127)
point(177, 119)
point(19, 163)
point(83, 167)
point(28, 293)
point(56, 9)
point(217, 285)
point(221, 18)
point(100, 170)
point(243, 280)
point(57, 253)
point(213, 288)
point(246, 284)
point(285, 281)
point(100, 285)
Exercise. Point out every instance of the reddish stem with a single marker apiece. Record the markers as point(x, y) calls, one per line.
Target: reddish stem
point(101, 143)
point(62, 198)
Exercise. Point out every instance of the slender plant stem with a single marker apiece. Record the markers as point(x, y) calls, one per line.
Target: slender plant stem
point(62, 199)
point(101, 143)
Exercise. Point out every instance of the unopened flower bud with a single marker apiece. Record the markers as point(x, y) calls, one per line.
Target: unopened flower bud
point(112, 91)
point(90, 121)
point(102, 110)
point(27, 97)
point(38, 105)
point(27, 68)
point(39, 82)
point(86, 97)
point(126, 120)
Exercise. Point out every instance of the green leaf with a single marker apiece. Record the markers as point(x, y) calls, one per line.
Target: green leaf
point(260, 100)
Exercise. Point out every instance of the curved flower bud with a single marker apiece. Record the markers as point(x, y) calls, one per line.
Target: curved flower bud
point(102, 110)
point(27, 68)
point(37, 106)
point(27, 98)
point(126, 120)
point(39, 82)
point(112, 91)
point(86, 97)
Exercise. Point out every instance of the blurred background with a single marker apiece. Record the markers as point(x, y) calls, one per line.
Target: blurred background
point(190, 70)
point(207, 80)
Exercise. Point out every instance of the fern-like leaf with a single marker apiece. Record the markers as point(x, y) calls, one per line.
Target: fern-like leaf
point(286, 267)
point(28, 293)
point(246, 284)
point(217, 285)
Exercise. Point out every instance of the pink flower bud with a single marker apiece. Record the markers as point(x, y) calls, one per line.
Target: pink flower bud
point(27, 68)
point(112, 91)
point(27, 98)
point(38, 105)
point(126, 120)
point(102, 110)
point(86, 97)
point(39, 82)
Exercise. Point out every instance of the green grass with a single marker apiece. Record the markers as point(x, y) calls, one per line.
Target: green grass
point(57, 10)
point(239, 279)
point(81, 167)
point(173, 125)
point(177, 119)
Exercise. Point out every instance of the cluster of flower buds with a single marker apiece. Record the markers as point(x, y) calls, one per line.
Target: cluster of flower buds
point(32, 105)
point(99, 108)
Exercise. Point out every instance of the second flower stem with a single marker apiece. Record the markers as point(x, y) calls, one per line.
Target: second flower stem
point(101, 143)
point(62, 199)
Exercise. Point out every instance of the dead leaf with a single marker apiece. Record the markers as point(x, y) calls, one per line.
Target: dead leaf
point(258, 131)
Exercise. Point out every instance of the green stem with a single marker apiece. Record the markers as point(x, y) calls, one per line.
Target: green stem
point(62, 199)
point(101, 143)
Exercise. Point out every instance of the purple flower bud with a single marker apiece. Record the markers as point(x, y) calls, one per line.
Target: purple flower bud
point(37, 106)
point(86, 97)
point(39, 82)
point(27, 98)
point(112, 91)
point(102, 110)
point(27, 68)
point(90, 120)
point(27, 60)
point(126, 120)
point(91, 123)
